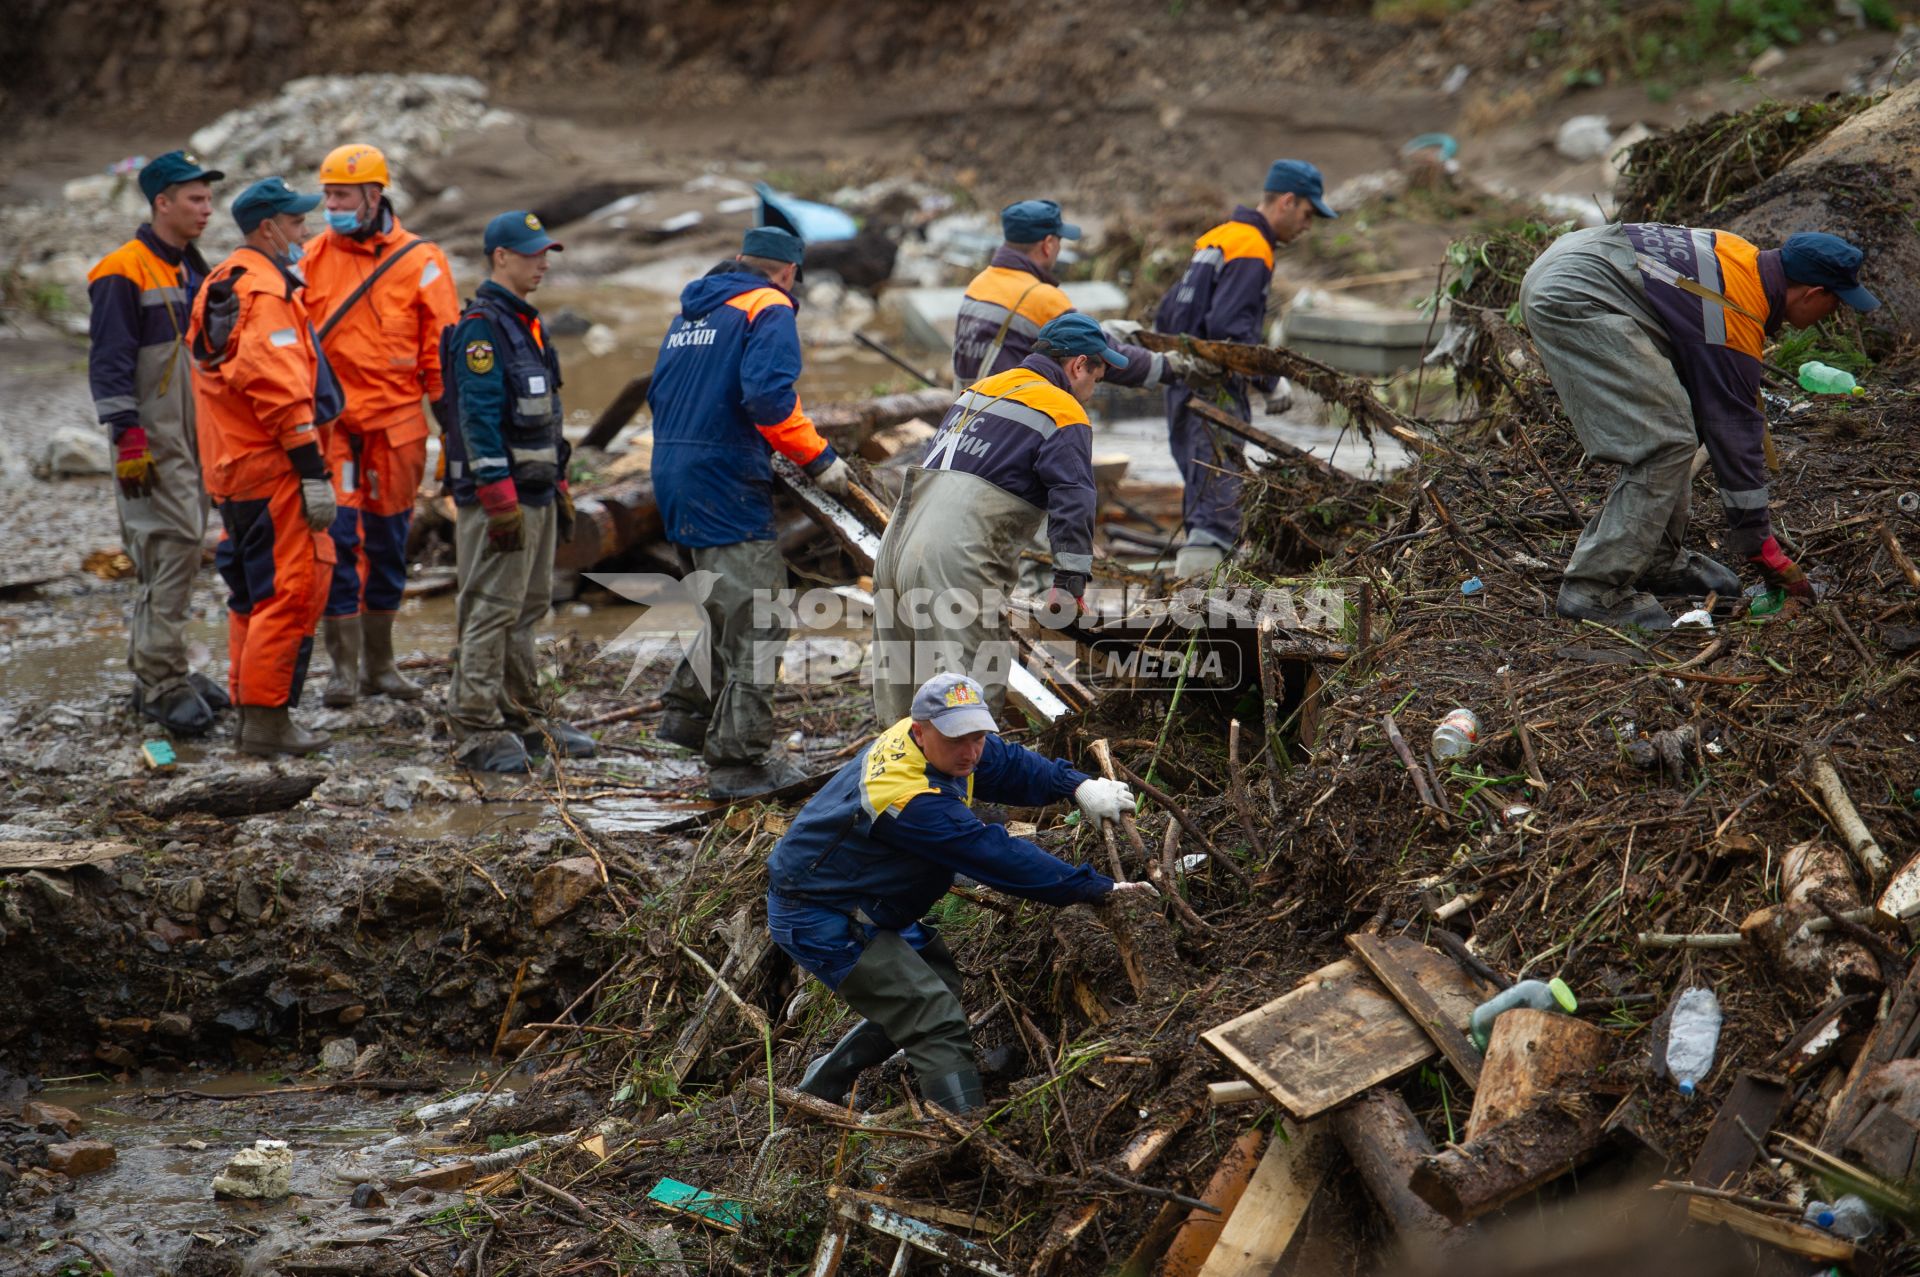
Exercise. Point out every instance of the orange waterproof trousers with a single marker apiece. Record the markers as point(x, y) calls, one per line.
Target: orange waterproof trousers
point(277, 572)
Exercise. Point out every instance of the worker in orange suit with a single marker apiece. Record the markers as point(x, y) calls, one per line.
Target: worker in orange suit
point(380, 296)
point(264, 395)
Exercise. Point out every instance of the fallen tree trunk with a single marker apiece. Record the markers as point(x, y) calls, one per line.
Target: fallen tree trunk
point(1384, 1139)
point(1511, 1160)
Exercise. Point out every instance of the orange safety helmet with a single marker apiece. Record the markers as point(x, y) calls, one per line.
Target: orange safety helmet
point(352, 165)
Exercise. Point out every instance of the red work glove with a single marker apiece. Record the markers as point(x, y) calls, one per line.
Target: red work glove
point(564, 512)
point(133, 463)
point(505, 523)
point(1781, 572)
point(1066, 601)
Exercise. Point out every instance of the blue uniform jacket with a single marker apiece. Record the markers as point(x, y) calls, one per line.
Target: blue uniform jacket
point(723, 400)
point(888, 833)
point(1223, 295)
point(141, 294)
point(1011, 301)
point(1022, 430)
point(478, 358)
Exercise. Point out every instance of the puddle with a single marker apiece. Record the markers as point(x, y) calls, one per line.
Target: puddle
point(140, 1214)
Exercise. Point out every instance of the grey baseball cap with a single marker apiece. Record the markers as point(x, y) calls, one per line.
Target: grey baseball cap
point(954, 705)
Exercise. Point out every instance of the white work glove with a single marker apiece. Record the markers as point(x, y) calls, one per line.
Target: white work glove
point(317, 496)
point(1120, 332)
point(1104, 799)
point(1130, 889)
point(1191, 367)
point(1280, 399)
point(835, 478)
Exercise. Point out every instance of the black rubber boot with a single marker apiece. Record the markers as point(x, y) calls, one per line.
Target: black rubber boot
point(501, 752)
point(342, 636)
point(570, 740)
point(1642, 611)
point(729, 784)
point(956, 1092)
point(831, 1076)
point(180, 709)
point(688, 731)
point(211, 692)
point(1694, 575)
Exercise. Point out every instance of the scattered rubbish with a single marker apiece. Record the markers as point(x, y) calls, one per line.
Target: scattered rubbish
point(158, 755)
point(1456, 733)
point(367, 1196)
point(1584, 137)
point(73, 452)
point(338, 1054)
point(813, 222)
point(1516, 813)
point(1692, 1035)
point(1541, 995)
point(1908, 502)
point(707, 1207)
point(1456, 79)
point(263, 1173)
point(1823, 379)
point(1192, 861)
point(1471, 586)
point(1696, 619)
point(1443, 143)
point(1848, 1217)
point(1765, 600)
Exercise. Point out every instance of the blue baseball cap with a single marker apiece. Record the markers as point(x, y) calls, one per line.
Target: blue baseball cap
point(266, 198)
point(773, 243)
point(1030, 221)
point(520, 232)
point(1297, 177)
point(954, 704)
point(172, 169)
point(1075, 334)
point(1815, 257)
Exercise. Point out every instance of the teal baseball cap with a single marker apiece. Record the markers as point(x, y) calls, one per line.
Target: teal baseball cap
point(520, 232)
point(1815, 257)
point(266, 198)
point(171, 169)
point(1030, 221)
point(1297, 177)
point(1076, 334)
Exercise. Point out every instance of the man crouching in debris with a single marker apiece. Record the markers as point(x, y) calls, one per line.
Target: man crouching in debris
point(881, 843)
point(1652, 335)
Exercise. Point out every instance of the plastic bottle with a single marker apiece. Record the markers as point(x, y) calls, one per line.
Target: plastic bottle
point(1457, 732)
point(1541, 995)
point(1692, 1034)
point(1823, 379)
point(1849, 1217)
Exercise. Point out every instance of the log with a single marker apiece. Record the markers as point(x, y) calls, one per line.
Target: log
point(1419, 1005)
point(1512, 1159)
point(1276, 1200)
point(241, 792)
point(1532, 1057)
point(1809, 872)
point(1846, 820)
point(625, 407)
point(1197, 1236)
point(22, 854)
point(1385, 1142)
point(1892, 1037)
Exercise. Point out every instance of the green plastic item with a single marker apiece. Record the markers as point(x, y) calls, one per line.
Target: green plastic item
point(699, 1203)
point(1548, 995)
point(1824, 379)
point(1768, 603)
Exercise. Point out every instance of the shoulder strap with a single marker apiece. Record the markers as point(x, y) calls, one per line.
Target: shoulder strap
point(366, 285)
point(1000, 338)
point(1666, 274)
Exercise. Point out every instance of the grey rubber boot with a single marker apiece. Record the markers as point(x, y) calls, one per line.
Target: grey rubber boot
point(956, 1092)
point(688, 731)
point(269, 731)
point(1637, 609)
point(378, 674)
point(499, 751)
point(342, 635)
point(572, 742)
point(1693, 575)
point(831, 1076)
point(729, 784)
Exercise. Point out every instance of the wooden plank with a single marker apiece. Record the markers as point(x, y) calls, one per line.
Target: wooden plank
point(1789, 1235)
point(1339, 1033)
point(1276, 1200)
point(832, 1249)
point(924, 1236)
point(1419, 1004)
point(1238, 1091)
point(750, 946)
point(1201, 1231)
point(969, 1220)
point(19, 854)
point(1727, 1154)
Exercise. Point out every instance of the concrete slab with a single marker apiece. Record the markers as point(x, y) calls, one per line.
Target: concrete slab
point(1368, 340)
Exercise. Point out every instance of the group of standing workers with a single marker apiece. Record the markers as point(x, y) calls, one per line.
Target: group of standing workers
point(289, 388)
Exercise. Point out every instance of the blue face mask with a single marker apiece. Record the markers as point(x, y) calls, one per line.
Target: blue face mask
point(343, 223)
point(295, 251)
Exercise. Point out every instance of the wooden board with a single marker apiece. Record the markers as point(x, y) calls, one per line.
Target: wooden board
point(1419, 1004)
point(1789, 1235)
point(1339, 1033)
point(1275, 1201)
point(1727, 1153)
point(17, 854)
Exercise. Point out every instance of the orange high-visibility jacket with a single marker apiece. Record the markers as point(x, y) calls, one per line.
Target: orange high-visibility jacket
point(386, 351)
point(255, 396)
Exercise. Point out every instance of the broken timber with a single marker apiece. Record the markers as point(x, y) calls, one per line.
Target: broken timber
point(1752, 1104)
point(1786, 1234)
point(1276, 1200)
point(1023, 688)
point(18, 854)
point(1339, 1033)
point(749, 948)
point(1530, 1056)
point(1419, 1005)
point(921, 1236)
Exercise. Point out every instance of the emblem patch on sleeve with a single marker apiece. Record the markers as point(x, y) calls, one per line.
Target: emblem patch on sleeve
point(480, 356)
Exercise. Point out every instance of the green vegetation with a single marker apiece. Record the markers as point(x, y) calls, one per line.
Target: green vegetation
point(1829, 343)
point(1612, 39)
